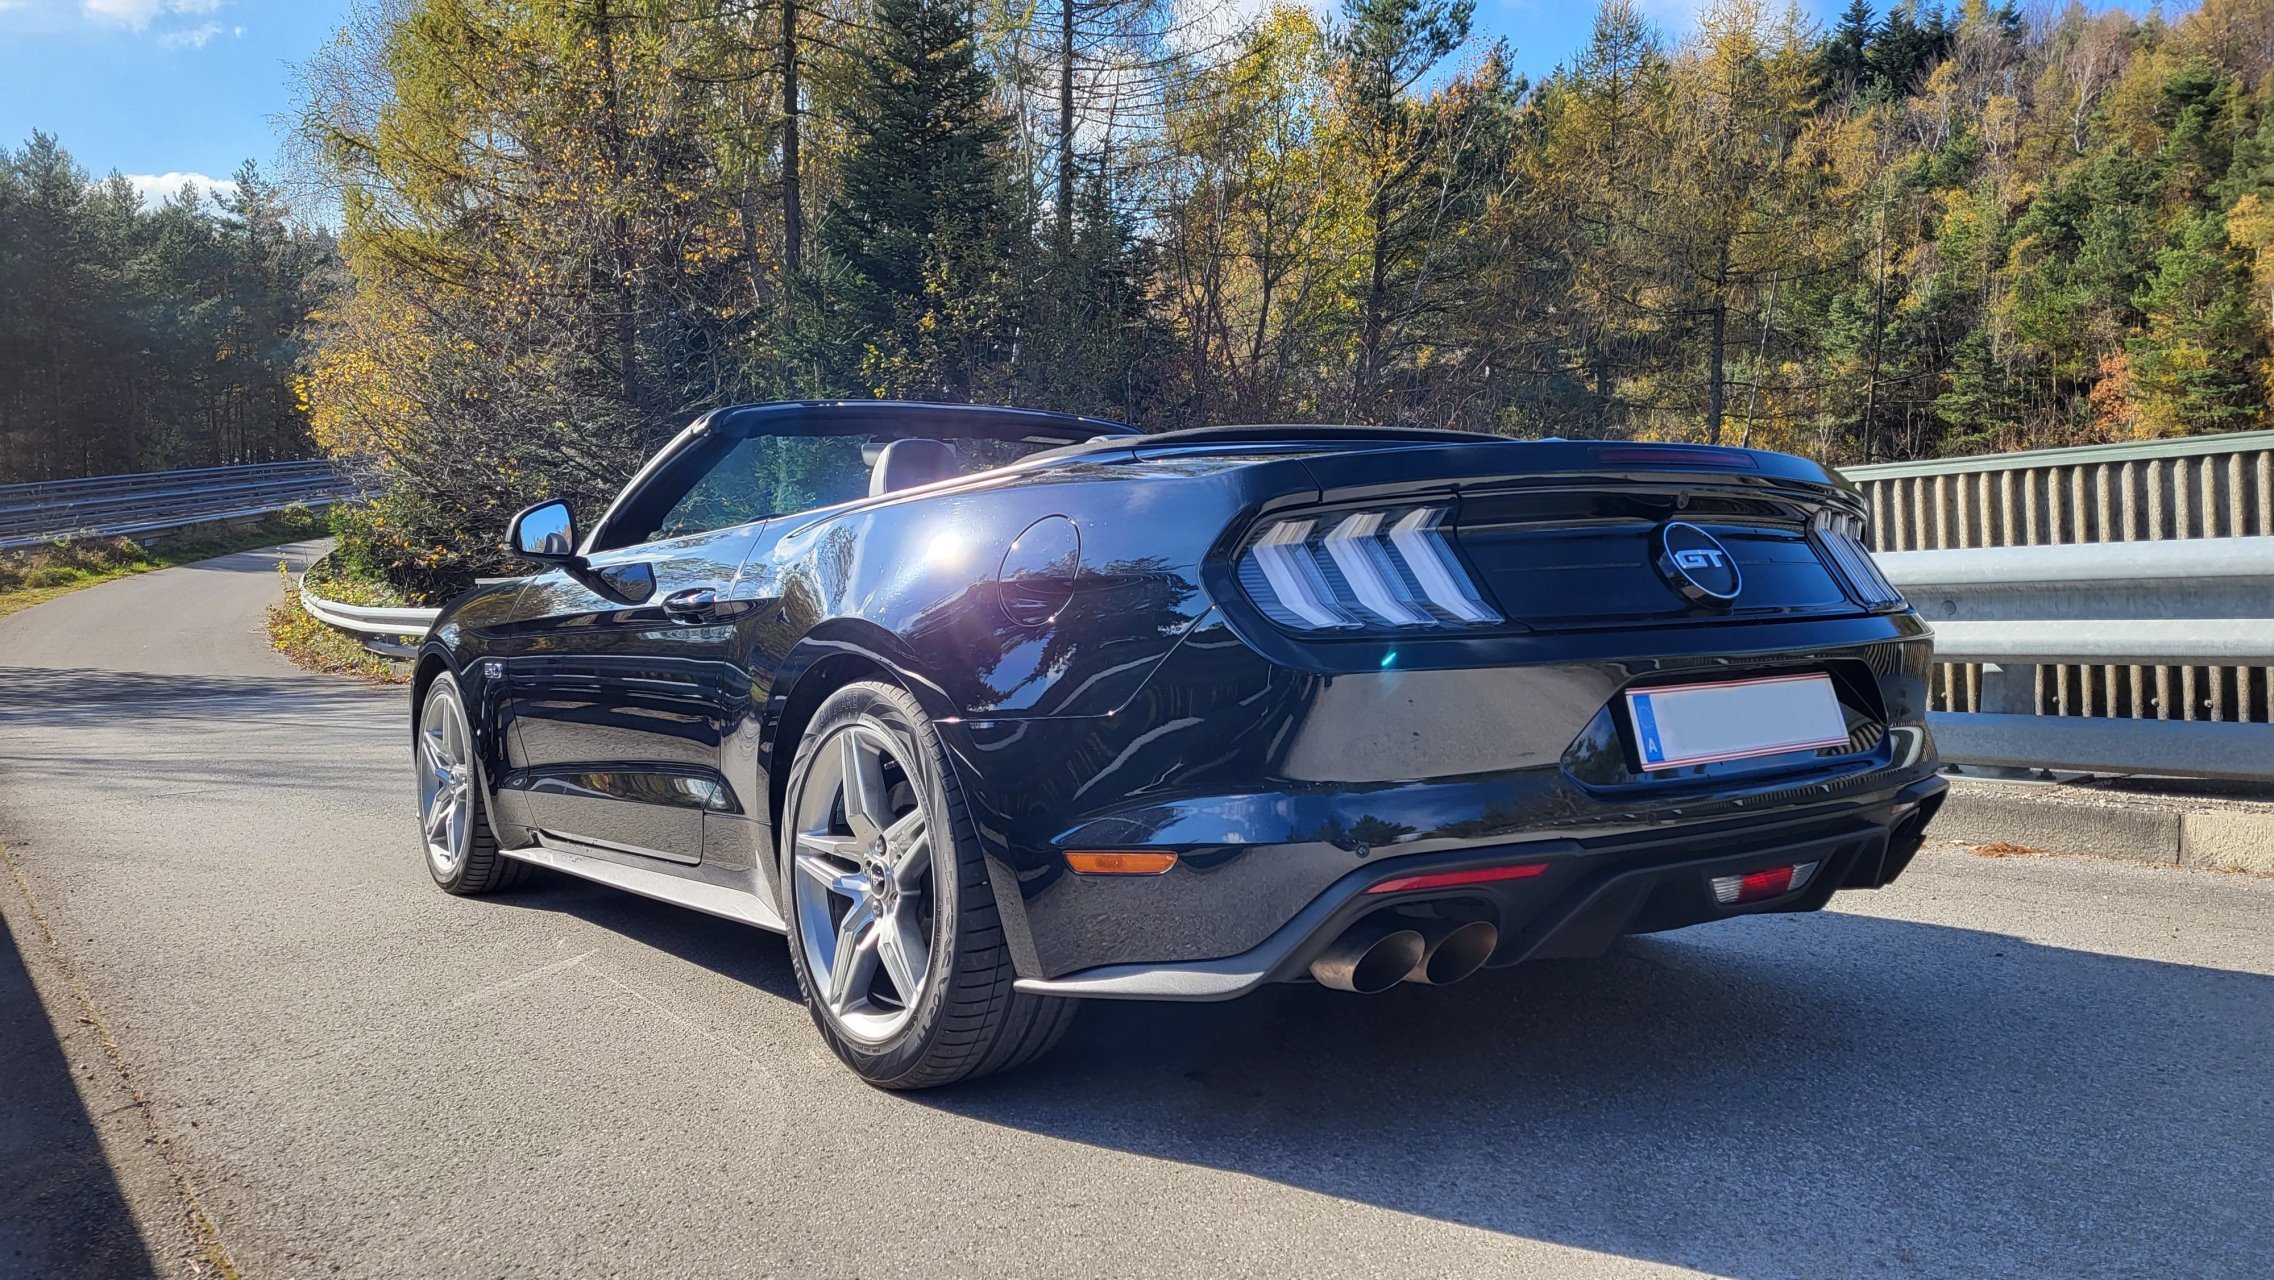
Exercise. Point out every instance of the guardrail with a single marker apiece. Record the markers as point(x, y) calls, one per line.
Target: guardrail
point(2116, 608)
point(392, 630)
point(2194, 489)
point(158, 501)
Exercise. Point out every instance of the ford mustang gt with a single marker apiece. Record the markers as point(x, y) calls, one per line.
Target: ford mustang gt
point(993, 710)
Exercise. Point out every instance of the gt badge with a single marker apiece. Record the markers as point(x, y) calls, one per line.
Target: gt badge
point(1695, 564)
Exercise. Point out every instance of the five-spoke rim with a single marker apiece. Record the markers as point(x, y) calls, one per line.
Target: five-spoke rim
point(445, 779)
point(862, 881)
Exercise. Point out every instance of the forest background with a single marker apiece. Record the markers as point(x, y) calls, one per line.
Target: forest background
point(553, 232)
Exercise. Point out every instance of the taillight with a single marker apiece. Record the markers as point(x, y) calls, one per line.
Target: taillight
point(1839, 541)
point(1388, 569)
point(1759, 886)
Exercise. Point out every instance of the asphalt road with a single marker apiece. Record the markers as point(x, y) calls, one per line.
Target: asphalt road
point(266, 1036)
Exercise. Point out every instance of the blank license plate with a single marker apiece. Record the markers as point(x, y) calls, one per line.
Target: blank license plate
point(1735, 719)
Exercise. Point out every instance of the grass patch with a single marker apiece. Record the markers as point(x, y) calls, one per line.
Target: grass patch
point(314, 646)
point(31, 575)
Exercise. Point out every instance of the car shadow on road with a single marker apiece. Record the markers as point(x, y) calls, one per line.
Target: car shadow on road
point(62, 1213)
point(191, 730)
point(74, 696)
point(1872, 1096)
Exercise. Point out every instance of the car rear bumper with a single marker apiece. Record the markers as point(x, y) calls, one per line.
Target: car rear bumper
point(1277, 787)
point(1587, 895)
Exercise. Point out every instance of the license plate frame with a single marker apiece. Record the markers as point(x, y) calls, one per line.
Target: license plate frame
point(1679, 726)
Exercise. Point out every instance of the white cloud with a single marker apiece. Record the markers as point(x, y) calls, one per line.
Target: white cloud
point(122, 13)
point(157, 188)
point(190, 37)
point(136, 15)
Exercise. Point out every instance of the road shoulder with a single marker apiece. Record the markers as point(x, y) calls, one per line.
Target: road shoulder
point(95, 1188)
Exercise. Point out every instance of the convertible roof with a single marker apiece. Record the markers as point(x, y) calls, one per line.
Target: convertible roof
point(903, 419)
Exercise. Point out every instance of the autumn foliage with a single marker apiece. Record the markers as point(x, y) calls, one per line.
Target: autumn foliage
point(570, 226)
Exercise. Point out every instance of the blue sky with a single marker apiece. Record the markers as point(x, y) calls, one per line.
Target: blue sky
point(155, 87)
point(160, 89)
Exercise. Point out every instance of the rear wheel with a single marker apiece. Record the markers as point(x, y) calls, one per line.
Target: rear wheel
point(461, 852)
point(893, 927)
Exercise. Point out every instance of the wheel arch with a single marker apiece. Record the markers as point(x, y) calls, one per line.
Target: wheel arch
point(430, 664)
point(844, 651)
point(836, 653)
point(484, 716)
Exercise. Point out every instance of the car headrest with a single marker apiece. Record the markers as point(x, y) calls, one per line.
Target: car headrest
point(904, 464)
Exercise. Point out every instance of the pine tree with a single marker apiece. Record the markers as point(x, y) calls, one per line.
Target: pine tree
point(922, 219)
point(2194, 364)
point(1843, 62)
point(1398, 144)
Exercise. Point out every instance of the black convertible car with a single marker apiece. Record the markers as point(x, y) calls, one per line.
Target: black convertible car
point(991, 710)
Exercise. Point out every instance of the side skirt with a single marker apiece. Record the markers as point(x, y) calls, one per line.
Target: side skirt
point(710, 899)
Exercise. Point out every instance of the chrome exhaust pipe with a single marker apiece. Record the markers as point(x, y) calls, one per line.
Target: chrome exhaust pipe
point(1367, 958)
point(1452, 950)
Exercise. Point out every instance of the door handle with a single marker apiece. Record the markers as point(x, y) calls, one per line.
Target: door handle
point(694, 600)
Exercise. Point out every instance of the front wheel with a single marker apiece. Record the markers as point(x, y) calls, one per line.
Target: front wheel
point(893, 928)
point(461, 852)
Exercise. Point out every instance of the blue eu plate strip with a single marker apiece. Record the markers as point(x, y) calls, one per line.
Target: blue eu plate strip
point(1646, 728)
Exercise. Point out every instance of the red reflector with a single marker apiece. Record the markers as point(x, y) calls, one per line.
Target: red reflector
point(1450, 879)
point(1764, 884)
point(1733, 891)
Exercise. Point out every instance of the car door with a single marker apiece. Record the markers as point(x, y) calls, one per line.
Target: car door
point(620, 709)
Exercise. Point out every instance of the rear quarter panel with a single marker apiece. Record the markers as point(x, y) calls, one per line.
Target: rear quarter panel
point(928, 570)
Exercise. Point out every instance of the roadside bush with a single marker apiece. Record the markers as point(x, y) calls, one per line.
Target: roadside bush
point(402, 541)
point(50, 575)
point(90, 555)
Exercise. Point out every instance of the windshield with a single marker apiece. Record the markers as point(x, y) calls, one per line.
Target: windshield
point(722, 483)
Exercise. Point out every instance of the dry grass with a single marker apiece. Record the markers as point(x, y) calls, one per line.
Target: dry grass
point(37, 574)
point(313, 646)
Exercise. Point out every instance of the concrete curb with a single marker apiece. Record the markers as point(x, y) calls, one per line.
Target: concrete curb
point(2174, 830)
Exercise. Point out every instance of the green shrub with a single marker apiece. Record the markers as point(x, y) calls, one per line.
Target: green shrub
point(398, 540)
point(50, 575)
point(113, 553)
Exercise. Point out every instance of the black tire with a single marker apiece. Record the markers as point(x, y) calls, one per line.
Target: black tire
point(968, 1020)
point(478, 867)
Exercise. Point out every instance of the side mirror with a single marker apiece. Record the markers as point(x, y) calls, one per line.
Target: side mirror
point(545, 533)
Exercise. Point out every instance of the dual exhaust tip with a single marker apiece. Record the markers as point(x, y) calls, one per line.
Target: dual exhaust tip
point(1375, 955)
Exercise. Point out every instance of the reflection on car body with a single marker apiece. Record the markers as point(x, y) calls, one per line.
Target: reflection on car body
point(992, 710)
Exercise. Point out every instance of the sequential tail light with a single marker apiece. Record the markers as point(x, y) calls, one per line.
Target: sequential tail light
point(1458, 879)
point(1759, 886)
point(1121, 863)
point(1392, 569)
point(1839, 539)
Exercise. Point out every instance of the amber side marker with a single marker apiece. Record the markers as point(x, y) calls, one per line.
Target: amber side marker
point(1121, 864)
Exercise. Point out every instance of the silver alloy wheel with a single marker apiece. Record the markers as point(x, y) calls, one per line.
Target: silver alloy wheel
point(445, 778)
point(861, 882)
